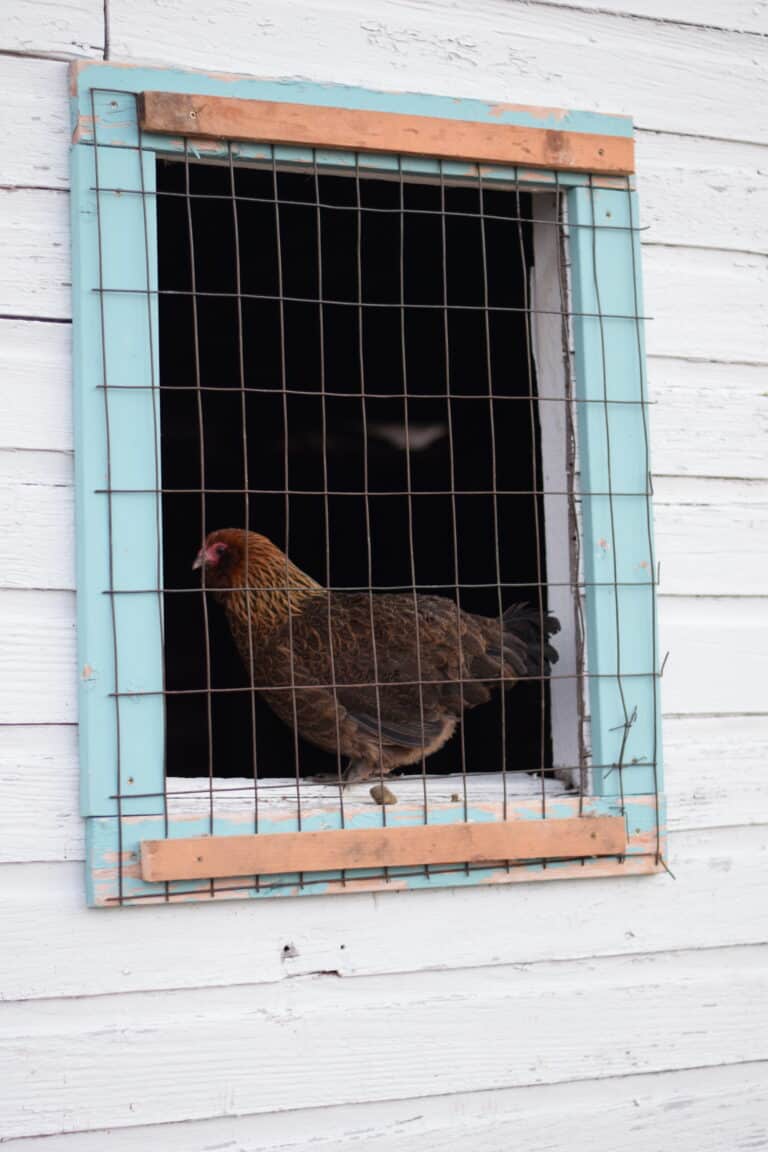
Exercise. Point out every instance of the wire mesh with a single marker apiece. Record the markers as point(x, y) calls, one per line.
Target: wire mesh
point(372, 335)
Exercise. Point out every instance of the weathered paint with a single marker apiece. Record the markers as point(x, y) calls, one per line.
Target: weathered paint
point(352, 129)
point(618, 554)
point(132, 541)
point(114, 873)
point(113, 78)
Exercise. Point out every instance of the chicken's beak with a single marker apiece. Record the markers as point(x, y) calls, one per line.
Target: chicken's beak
point(199, 560)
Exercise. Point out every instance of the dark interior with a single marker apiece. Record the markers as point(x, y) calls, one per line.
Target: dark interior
point(210, 422)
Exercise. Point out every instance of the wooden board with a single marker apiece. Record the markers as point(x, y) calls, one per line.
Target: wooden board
point(707, 193)
point(739, 15)
point(63, 949)
point(201, 857)
point(34, 118)
point(708, 419)
point(706, 304)
point(490, 49)
point(712, 535)
point(148, 1057)
point(60, 27)
point(36, 508)
point(717, 653)
point(35, 272)
point(229, 118)
point(35, 366)
point(701, 1110)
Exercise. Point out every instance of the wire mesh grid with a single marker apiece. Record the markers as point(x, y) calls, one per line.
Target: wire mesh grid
point(348, 366)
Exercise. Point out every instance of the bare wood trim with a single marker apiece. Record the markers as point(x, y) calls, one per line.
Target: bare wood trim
point(230, 118)
point(203, 857)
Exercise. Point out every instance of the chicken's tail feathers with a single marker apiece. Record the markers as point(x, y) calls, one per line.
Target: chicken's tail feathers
point(526, 642)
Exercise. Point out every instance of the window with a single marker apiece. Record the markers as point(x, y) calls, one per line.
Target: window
point(419, 372)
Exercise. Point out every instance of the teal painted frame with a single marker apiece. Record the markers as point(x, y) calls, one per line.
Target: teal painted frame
point(120, 637)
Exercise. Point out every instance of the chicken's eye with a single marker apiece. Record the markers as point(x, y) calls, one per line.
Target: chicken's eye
point(220, 549)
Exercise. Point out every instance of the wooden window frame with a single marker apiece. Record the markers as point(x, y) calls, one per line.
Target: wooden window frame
point(136, 851)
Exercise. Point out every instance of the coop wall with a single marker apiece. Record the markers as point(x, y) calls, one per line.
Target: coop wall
point(615, 1014)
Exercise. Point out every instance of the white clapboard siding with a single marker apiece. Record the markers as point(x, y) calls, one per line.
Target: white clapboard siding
point(706, 193)
point(37, 513)
point(740, 15)
point(493, 49)
point(37, 659)
point(708, 419)
point(711, 536)
point(614, 1015)
point(186, 1055)
point(714, 771)
point(40, 761)
point(64, 949)
point(60, 27)
point(37, 387)
point(695, 1110)
point(34, 117)
point(707, 304)
point(35, 277)
point(717, 654)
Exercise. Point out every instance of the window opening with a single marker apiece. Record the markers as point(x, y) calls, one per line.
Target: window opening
point(373, 376)
point(367, 359)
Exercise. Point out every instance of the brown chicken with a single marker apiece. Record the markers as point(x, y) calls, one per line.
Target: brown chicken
point(430, 659)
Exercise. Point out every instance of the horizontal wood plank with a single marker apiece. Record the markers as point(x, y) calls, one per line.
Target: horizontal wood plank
point(35, 272)
point(34, 118)
point(739, 15)
point(37, 397)
point(200, 857)
point(711, 536)
point(227, 118)
point(716, 654)
point(708, 419)
point(148, 1057)
point(714, 771)
point(69, 28)
point(703, 1110)
point(492, 50)
point(37, 662)
point(40, 761)
point(36, 507)
point(706, 193)
point(707, 305)
point(64, 949)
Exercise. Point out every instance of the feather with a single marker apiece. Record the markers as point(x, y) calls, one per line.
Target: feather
point(382, 679)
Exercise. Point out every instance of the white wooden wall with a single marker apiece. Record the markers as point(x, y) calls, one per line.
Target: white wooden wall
point(608, 1016)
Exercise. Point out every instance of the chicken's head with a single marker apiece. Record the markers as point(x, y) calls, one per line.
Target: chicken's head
point(221, 557)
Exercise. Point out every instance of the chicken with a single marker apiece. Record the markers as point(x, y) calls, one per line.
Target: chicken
point(400, 686)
